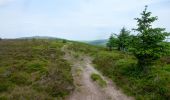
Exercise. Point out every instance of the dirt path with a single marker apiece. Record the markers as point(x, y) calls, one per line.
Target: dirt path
point(86, 89)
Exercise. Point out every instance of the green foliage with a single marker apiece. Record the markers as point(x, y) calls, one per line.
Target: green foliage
point(124, 39)
point(64, 41)
point(3, 98)
point(147, 45)
point(34, 69)
point(36, 65)
point(83, 48)
point(56, 85)
point(27, 93)
point(20, 78)
point(112, 42)
point(5, 85)
point(123, 70)
point(109, 61)
point(121, 41)
point(98, 79)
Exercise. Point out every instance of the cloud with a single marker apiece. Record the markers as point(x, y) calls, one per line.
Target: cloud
point(5, 2)
point(76, 19)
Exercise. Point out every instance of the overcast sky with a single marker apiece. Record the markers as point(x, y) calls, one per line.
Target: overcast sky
point(76, 19)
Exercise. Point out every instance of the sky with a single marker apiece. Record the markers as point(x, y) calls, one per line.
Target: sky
point(76, 19)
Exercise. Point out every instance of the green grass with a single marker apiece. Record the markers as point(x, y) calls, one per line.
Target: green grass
point(79, 47)
point(33, 69)
point(97, 78)
point(122, 69)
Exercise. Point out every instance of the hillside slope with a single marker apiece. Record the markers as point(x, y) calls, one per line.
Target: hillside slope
point(36, 69)
point(33, 70)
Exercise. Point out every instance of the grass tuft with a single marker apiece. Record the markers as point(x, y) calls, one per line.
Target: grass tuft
point(97, 78)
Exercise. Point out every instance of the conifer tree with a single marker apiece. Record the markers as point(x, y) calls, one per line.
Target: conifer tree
point(148, 45)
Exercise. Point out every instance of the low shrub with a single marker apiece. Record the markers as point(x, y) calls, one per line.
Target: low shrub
point(36, 65)
point(4, 86)
point(34, 70)
point(20, 78)
point(98, 79)
point(123, 70)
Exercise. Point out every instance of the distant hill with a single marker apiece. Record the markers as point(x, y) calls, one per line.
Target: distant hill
point(101, 42)
point(40, 37)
